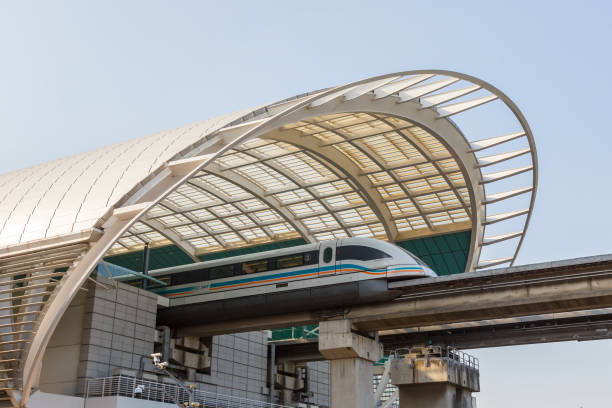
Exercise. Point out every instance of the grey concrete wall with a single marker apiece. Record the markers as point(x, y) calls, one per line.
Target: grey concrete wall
point(318, 382)
point(105, 329)
point(118, 328)
point(238, 366)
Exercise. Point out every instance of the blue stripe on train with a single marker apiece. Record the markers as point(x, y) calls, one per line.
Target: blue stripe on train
point(273, 276)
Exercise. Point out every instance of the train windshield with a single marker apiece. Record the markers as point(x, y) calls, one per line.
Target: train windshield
point(360, 253)
point(413, 256)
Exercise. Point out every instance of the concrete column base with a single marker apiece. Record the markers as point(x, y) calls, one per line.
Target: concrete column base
point(434, 395)
point(351, 383)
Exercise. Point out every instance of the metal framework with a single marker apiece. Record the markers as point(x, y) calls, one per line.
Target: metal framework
point(383, 157)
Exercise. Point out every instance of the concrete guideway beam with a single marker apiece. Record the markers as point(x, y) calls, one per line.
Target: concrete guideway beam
point(511, 292)
point(564, 286)
point(351, 355)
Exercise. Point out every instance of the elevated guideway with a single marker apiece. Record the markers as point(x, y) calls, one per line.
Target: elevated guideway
point(482, 297)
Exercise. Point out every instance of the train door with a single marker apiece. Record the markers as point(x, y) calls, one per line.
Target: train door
point(327, 258)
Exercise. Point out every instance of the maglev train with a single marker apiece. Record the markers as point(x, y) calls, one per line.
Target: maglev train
point(321, 276)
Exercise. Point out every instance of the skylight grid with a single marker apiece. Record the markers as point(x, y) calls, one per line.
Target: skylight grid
point(266, 216)
point(327, 235)
point(391, 192)
point(235, 159)
point(307, 208)
point(189, 231)
point(154, 237)
point(238, 222)
point(205, 242)
point(252, 234)
point(357, 157)
point(365, 129)
point(264, 176)
point(357, 215)
point(412, 172)
point(231, 238)
point(433, 146)
point(174, 219)
point(448, 165)
point(459, 215)
point(158, 211)
point(226, 189)
point(375, 230)
point(289, 197)
point(216, 226)
point(252, 204)
point(393, 149)
point(427, 169)
point(429, 202)
point(402, 208)
point(334, 187)
point(130, 242)
point(328, 137)
point(310, 190)
point(200, 199)
point(304, 168)
point(344, 200)
point(282, 230)
point(200, 215)
point(321, 222)
point(139, 227)
point(224, 210)
point(380, 178)
point(273, 149)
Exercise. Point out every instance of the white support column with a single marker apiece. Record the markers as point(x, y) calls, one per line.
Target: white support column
point(351, 356)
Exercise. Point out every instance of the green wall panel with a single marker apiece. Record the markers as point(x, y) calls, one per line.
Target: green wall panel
point(446, 254)
point(171, 255)
point(252, 249)
point(160, 257)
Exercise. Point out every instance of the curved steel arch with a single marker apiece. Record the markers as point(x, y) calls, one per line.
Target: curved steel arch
point(353, 97)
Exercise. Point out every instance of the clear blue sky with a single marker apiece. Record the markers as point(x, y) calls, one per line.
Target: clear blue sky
point(79, 75)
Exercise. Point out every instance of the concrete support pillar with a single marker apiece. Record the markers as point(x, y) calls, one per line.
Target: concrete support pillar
point(435, 395)
point(351, 355)
point(435, 378)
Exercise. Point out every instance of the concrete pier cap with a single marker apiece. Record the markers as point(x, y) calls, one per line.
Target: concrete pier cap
point(351, 355)
point(435, 377)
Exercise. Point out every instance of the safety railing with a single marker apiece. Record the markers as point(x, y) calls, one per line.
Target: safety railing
point(126, 386)
point(449, 353)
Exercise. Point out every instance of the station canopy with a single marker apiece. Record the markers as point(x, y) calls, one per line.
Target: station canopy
point(380, 158)
point(441, 163)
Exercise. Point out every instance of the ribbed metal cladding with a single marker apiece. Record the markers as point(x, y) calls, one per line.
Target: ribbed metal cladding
point(27, 282)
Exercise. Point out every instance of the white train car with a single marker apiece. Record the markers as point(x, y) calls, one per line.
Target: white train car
point(323, 275)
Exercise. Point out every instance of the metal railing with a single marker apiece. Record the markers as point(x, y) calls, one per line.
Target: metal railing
point(126, 386)
point(448, 353)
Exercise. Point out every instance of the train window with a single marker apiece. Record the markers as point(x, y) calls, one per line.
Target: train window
point(290, 261)
point(413, 256)
point(190, 277)
point(255, 266)
point(327, 255)
point(223, 271)
point(311, 258)
point(360, 253)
